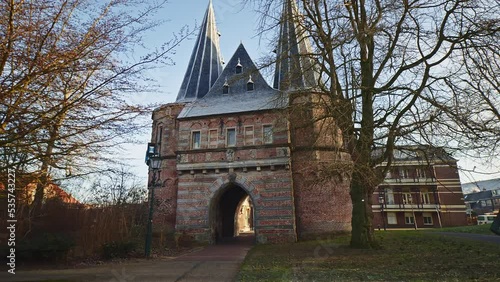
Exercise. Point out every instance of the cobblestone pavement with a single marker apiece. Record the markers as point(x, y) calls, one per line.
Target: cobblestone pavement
point(212, 263)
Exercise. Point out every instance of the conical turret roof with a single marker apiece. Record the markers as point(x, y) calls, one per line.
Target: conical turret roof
point(205, 64)
point(295, 68)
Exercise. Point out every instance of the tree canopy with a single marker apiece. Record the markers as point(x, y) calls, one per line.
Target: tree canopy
point(69, 70)
point(398, 73)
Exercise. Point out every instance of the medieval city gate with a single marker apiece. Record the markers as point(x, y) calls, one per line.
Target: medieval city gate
point(228, 137)
point(231, 213)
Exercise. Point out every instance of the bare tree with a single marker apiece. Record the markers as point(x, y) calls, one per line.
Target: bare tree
point(471, 116)
point(69, 71)
point(117, 186)
point(398, 73)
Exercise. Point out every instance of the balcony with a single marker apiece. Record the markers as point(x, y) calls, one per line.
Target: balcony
point(407, 207)
point(410, 181)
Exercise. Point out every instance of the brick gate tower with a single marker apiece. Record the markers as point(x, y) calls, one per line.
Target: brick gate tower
point(239, 156)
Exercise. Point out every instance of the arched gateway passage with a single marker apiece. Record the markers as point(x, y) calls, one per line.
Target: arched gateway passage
point(231, 214)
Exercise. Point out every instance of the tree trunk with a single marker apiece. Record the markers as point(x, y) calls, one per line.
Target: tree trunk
point(47, 159)
point(361, 196)
point(42, 182)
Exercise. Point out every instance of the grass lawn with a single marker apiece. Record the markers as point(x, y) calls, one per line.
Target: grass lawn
point(477, 229)
point(404, 256)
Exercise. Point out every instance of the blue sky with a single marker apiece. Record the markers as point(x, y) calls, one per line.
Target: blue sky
point(236, 23)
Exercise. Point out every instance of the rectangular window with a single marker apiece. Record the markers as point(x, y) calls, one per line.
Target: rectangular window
point(407, 199)
point(159, 133)
point(195, 140)
point(267, 131)
point(249, 137)
point(421, 173)
point(404, 173)
point(391, 218)
point(389, 196)
point(425, 197)
point(212, 138)
point(231, 137)
point(409, 219)
point(427, 218)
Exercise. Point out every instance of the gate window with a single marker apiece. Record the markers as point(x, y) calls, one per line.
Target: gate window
point(195, 140)
point(231, 137)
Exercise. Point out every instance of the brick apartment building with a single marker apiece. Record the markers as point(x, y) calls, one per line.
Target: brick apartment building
point(422, 189)
point(228, 139)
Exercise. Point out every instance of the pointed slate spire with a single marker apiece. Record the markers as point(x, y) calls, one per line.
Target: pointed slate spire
point(294, 69)
point(205, 64)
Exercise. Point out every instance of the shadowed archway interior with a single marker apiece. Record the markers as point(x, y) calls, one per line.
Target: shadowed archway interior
point(227, 213)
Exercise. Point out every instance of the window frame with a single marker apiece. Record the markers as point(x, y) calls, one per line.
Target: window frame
point(264, 126)
point(425, 198)
point(158, 138)
point(409, 216)
point(392, 216)
point(193, 132)
point(233, 129)
point(421, 173)
point(250, 86)
point(389, 196)
point(404, 173)
point(428, 215)
point(405, 196)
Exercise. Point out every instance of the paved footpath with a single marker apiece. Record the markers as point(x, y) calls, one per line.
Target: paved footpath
point(212, 263)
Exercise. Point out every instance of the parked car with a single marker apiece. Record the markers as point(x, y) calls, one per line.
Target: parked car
point(485, 219)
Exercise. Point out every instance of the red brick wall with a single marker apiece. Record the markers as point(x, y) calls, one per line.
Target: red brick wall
point(239, 122)
point(321, 185)
point(446, 171)
point(269, 186)
point(454, 218)
point(322, 202)
point(270, 191)
point(166, 191)
point(306, 194)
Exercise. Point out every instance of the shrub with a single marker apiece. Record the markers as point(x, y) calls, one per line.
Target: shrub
point(118, 249)
point(46, 247)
